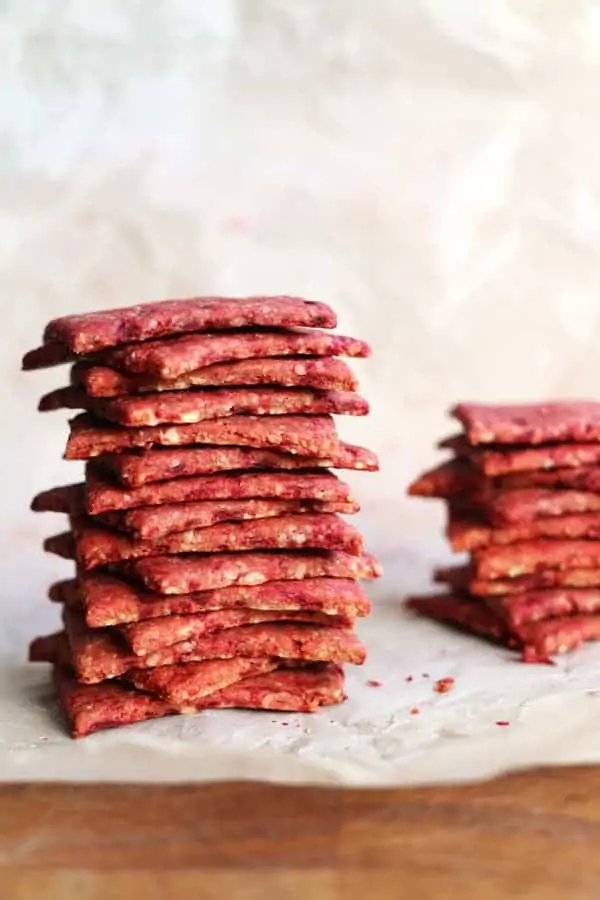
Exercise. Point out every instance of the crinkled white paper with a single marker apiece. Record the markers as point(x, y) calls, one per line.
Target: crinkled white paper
point(431, 170)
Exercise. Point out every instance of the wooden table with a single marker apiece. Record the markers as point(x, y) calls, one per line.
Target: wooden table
point(531, 835)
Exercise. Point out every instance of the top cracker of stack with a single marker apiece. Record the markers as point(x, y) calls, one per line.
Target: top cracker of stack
point(213, 568)
point(523, 497)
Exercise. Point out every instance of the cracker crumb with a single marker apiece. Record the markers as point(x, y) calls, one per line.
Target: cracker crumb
point(409, 678)
point(415, 711)
point(503, 723)
point(444, 685)
point(372, 682)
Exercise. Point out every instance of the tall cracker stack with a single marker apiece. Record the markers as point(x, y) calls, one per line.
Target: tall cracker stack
point(523, 498)
point(213, 568)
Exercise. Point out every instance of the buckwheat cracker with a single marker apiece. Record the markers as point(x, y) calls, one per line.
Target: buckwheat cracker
point(171, 359)
point(454, 477)
point(153, 523)
point(304, 435)
point(512, 507)
point(155, 634)
point(552, 603)
point(136, 469)
point(529, 557)
point(103, 496)
point(322, 373)
point(188, 574)
point(97, 546)
point(533, 423)
point(90, 332)
point(192, 406)
point(467, 534)
point(108, 600)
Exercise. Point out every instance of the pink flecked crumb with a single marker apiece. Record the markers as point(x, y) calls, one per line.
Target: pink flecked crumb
point(374, 683)
point(415, 711)
point(502, 723)
point(444, 685)
point(409, 678)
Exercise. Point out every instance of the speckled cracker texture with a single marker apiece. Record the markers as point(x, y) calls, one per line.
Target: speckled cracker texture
point(535, 423)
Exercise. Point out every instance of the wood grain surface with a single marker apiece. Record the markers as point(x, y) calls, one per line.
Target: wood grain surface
point(530, 835)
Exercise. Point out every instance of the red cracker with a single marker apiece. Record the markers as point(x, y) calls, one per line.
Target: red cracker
point(586, 478)
point(514, 507)
point(451, 478)
point(69, 499)
point(494, 462)
point(322, 373)
point(534, 606)
point(103, 496)
point(186, 575)
point(182, 686)
point(102, 654)
point(190, 407)
point(535, 423)
point(91, 708)
point(304, 435)
point(529, 557)
point(152, 523)
point(470, 534)
point(108, 600)
point(96, 546)
point(90, 332)
point(154, 634)
point(135, 469)
point(172, 359)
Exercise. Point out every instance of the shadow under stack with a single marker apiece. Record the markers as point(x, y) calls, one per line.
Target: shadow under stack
point(213, 568)
point(523, 497)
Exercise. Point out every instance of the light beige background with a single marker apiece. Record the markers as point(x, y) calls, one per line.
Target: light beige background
point(431, 169)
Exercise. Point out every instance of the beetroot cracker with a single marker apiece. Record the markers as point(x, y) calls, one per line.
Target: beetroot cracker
point(459, 611)
point(102, 654)
point(305, 435)
point(586, 478)
point(89, 332)
point(69, 499)
point(527, 504)
point(45, 357)
point(186, 575)
point(320, 373)
point(152, 523)
point(542, 640)
point(96, 546)
point(498, 461)
point(103, 496)
point(62, 545)
point(108, 600)
point(51, 648)
point(182, 686)
point(533, 606)
point(529, 557)
point(535, 423)
point(154, 634)
point(451, 478)
point(91, 708)
point(135, 469)
point(192, 406)
point(546, 578)
point(469, 534)
point(172, 359)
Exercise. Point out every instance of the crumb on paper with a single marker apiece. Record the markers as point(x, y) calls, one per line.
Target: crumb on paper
point(409, 678)
point(415, 711)
point(372, 682)
point(425, 675)
point(502, 723)
point(444, 685)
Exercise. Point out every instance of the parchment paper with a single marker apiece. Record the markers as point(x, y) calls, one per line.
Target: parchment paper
point(431, 169)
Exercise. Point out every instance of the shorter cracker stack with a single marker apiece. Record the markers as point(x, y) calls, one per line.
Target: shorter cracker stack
point(522, 491)
point(212, 566)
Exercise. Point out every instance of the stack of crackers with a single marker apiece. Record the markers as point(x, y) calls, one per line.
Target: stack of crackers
point(213, 567)
point(523, 497)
